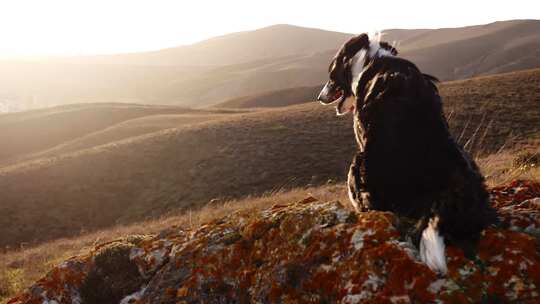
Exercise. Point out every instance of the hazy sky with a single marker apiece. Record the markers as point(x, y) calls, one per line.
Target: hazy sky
point(60, 27)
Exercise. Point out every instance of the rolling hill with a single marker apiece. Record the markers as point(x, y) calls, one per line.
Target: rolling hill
point(256, 62)
point(484, 54)
point(273, 99)
point(159, 162)
point(470, 102)
point(176, 168)
point(35, 131)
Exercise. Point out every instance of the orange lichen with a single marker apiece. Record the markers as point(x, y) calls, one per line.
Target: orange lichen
point(314, 252)
point(61, 284)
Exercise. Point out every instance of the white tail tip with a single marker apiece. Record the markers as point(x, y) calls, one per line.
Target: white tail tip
point(432, 249)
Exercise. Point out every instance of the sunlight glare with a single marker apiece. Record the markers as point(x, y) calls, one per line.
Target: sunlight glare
point(70, 27)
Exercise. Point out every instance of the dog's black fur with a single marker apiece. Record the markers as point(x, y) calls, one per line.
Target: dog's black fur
point(407, 162)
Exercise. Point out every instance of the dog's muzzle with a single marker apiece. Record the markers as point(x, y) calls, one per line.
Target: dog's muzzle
point(330, 94)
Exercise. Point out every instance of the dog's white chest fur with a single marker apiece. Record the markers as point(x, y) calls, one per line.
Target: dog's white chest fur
point(359, 60)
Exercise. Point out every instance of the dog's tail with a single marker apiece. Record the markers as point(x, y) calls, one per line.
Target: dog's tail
point(432, 248)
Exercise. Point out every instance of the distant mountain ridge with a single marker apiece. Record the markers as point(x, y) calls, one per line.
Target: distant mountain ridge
point(284, 40)
point(269, 42)
point(251, 63)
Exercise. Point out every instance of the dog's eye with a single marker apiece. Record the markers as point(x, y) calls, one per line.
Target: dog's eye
point(333, 76)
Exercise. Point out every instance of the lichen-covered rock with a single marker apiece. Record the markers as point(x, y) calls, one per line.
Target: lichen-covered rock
point(310, 252)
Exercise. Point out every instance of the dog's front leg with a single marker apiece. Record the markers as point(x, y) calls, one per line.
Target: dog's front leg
point(356, 185)
point(359, 132)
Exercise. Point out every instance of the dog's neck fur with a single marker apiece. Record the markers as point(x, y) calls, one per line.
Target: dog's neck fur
point(359, 62)
point(360, 59)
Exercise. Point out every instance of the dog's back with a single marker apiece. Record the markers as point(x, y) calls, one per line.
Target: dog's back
point(405, 131)
point(411, 162)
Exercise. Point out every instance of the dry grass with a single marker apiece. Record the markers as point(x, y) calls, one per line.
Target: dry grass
point(493, 113)
point(503, 166)
point(20, 268)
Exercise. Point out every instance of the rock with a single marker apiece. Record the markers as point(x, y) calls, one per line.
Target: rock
point(305, 252)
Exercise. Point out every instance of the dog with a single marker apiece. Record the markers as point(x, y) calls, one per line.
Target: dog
point(407, 161)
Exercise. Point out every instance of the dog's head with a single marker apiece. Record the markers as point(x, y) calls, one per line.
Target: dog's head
point(346, 65)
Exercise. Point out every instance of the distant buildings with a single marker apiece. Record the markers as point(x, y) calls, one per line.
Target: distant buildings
point(10, 104)
point(7, 106)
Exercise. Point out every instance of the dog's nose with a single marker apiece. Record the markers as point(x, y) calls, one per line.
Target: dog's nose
point(323, 95)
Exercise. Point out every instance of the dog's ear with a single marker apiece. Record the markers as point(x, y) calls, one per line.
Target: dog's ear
point(348, 50)
point(355, 44)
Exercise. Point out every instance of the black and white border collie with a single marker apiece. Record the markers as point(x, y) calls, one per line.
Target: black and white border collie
point(407, 161)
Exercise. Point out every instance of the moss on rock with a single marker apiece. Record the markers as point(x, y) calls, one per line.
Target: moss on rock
point(113, 276)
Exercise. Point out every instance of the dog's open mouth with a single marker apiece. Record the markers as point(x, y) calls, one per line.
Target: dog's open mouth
point(331, 94)
point(337, 96)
